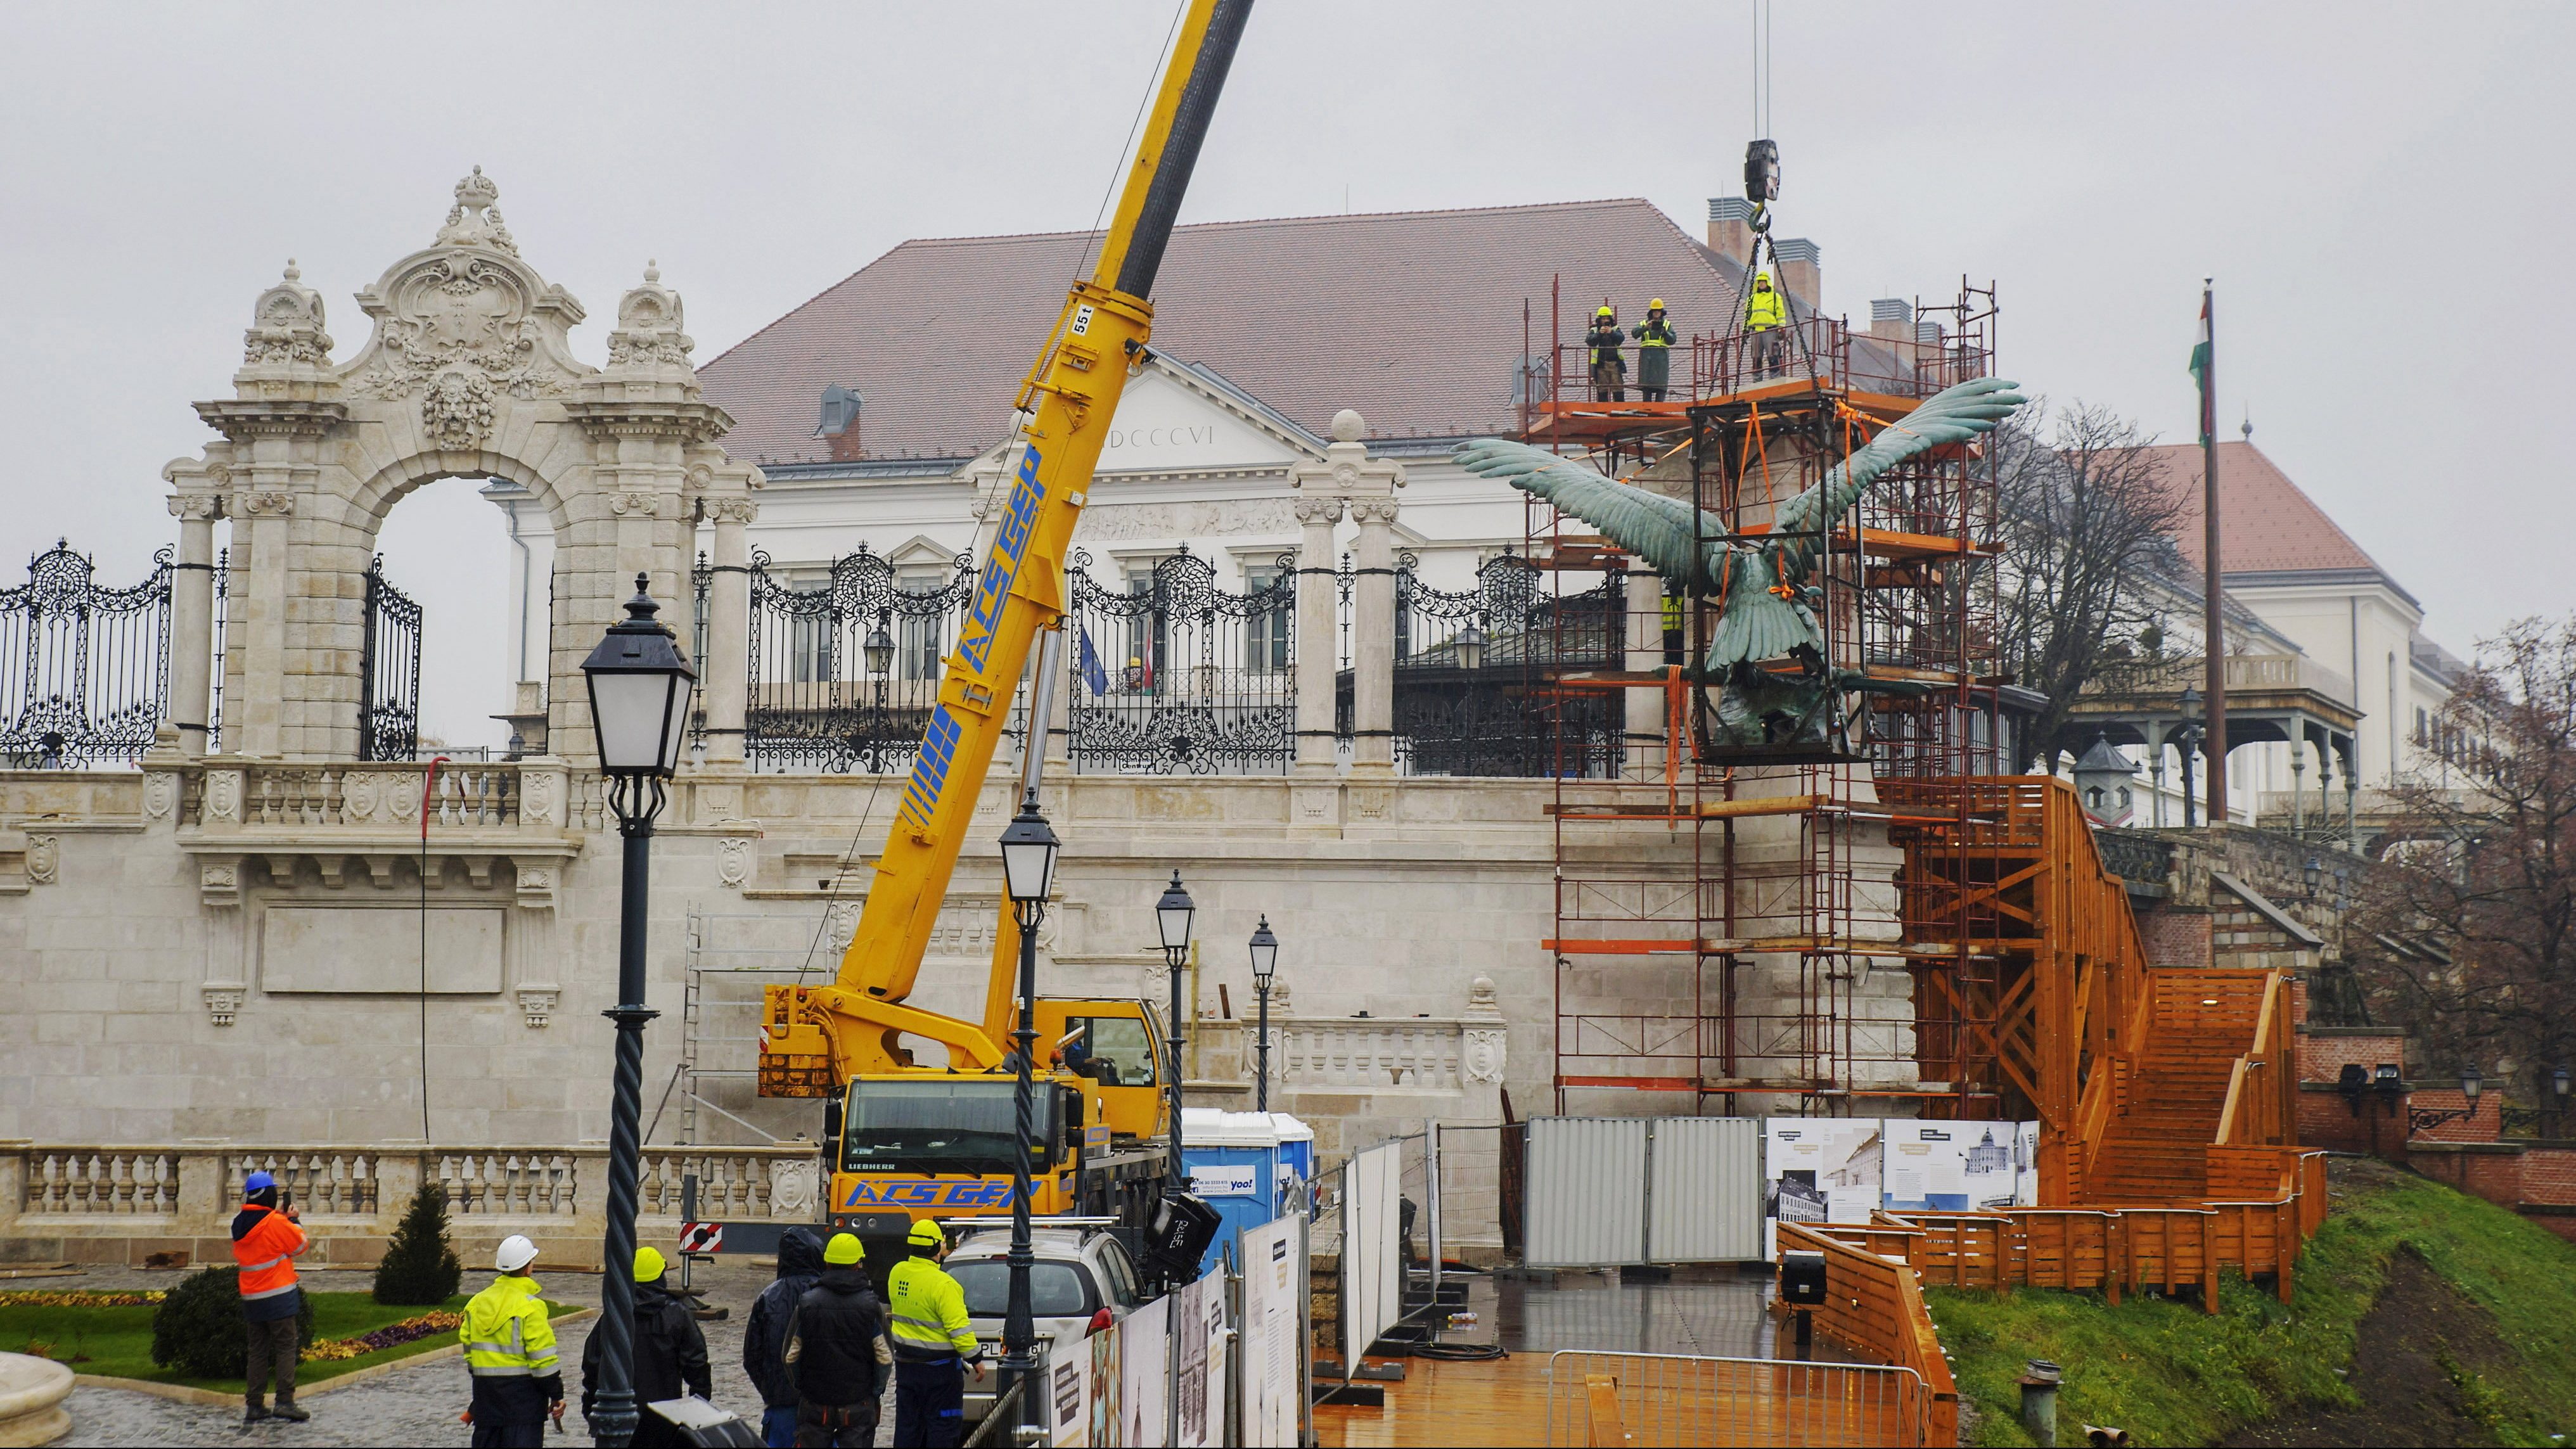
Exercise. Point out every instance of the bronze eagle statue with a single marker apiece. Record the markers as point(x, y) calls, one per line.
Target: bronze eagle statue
point(1766, 588)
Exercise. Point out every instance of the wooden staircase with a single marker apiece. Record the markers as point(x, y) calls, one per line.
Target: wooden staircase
point(2170, 1098)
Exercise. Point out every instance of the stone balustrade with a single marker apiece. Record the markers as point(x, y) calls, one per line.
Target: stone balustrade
point(89, 1203)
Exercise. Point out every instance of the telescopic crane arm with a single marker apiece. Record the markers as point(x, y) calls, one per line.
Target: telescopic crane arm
point(1065, 406)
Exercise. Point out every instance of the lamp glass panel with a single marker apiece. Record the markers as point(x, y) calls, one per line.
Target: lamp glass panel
point(1028, 867)
point(629, 711)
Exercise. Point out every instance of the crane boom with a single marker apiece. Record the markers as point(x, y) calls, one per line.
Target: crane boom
point(1065, 407)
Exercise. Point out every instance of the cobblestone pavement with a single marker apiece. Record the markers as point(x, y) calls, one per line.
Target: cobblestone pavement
point(417, 1403)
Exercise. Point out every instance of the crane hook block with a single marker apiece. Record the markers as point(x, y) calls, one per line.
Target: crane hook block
point(1762, 172)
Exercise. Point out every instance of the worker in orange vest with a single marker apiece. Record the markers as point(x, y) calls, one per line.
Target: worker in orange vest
point(265, 1243)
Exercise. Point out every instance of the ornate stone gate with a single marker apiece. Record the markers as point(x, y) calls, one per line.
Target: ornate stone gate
point(469, 373)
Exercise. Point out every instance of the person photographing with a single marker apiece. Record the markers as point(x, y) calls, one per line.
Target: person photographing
point(266, 1240)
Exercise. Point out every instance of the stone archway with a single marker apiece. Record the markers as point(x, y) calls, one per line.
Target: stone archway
point(469, 372)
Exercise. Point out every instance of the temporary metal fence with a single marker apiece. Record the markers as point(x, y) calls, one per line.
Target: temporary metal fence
point(1601, 1191)
point(845, 670)
point(84, 669)
point(389, 671)
point(1651, 1399)
point(1175, 675)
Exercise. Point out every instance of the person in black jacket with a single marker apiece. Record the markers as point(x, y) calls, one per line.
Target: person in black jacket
point(670, 1356)
point(764, 1337)
point(836, 1351)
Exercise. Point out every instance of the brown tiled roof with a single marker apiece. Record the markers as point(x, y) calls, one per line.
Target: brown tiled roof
point(1414, 318)
point(2267, 525)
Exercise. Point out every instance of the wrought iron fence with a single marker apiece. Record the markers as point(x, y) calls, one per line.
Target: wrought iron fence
point(84, 670)
point(1474, 669)
point(389, 671)
point(1181, 676)
point(845, 670)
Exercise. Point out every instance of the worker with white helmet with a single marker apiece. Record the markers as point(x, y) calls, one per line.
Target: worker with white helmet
point(510, 1353)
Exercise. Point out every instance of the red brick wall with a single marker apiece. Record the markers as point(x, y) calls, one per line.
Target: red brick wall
point(2322, 1058)
point(2549, 1175)
point(2326, 1121)
point(2485, 1126)
point(2176, 938)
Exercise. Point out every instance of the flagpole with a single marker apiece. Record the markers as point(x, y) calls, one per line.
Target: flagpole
point(2214, 653)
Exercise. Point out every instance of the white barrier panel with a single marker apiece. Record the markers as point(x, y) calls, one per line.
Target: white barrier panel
point(1144, 1377)
point(1272, 1344)
point(1703, 1200)
point(1372, 1264)
point(1202, 1347)
point(1616, 1190)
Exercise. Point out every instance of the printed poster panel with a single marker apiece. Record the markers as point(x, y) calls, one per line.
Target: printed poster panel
point(1818, 1170)
point(1144, 1371)
point(1951, 1166)
point(1067, 1377)
point(1105, 1427)
point(2026, 1164)
point(1269, 1343)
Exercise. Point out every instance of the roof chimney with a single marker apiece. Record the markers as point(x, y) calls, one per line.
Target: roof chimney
point(1730, 227)
point(1891, 319)
point(841, 422)
point(1801, 270)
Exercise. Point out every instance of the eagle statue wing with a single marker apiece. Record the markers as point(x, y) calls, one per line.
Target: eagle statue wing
point(1646, 523)
point(1955, 414)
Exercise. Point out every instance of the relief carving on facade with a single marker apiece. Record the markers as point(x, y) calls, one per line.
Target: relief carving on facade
point(733, 860)
point(223, 1001)
point(1116, 522)
point(286, 326)
point(793, 1188)
point(223, 797)
point(44, 859)
point(360, 796)
point(537, 1004)
point(540, 798)
point(160, 795)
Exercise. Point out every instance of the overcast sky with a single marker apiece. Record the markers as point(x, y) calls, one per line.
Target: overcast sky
point(2382, 192)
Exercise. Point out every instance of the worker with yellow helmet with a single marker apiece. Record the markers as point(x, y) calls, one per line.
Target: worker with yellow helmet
point(1609, 366)
point(1766, 312)
point(836, 1351)
point(1654, 352)
point(670, 1356)
point(926, 1318)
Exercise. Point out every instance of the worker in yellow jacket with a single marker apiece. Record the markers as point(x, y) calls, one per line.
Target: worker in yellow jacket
point(926, 1319)
point(1766, 340)
point(510, 1354)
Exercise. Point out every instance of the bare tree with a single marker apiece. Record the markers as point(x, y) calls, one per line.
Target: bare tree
point(2472, 912)
point(2086, 518)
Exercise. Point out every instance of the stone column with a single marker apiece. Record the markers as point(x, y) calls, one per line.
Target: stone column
point(258, 632)
point(192, 618)
point(1318, 627)
point(726, 688)
point(1373, 638)
point(1648, 712)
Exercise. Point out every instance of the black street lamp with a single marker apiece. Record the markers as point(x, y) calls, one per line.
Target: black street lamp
point(2558, 1098)
point(640, 686)
point(1265, 965)
point(1471, 644)
point(1029, 850)
point(880, 652)
point(1172, 915)
point(2187, 739)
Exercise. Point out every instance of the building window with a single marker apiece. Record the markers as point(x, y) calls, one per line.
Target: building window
point(921, 640)
point(1265, 634)
point(811, 642)
point(1148, 636)
point(2422, 725)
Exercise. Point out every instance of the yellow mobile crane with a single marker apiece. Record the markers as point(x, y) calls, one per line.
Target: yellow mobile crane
point(936, 1141)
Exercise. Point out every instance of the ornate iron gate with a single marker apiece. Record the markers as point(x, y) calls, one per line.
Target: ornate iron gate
point(1177, 675)
point(844, 673)
point(389, 672)
point(1473, 671)
point(84, 670)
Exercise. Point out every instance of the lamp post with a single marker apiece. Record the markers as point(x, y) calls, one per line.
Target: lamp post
point(2558, 1099)
point(2186, 739)
point(880, 652)
point(1265, 965)
point(1471, 644)
point(1028, 873)
point(640, 686)
point(2311, 874)
point(1172, 915)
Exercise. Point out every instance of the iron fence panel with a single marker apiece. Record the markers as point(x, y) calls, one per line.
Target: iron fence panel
point(389, 671)
point(87, 668)
point(1474, 670)
point(1187, 677)
point(844, 673)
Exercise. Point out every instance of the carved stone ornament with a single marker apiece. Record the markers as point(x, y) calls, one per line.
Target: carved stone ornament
point(648, 333)
point(537, 1004)
point(733, 860)
point(223, 1001)
point(1112, 523)
point(792, 1187)
point(270, 504)
point(1481, 1054)
point(646, 504)
point(1319, 510)
point(219, 882)
point(286, 325)
point(160, 794)
point(44, 859)
point(223, 797)
point(1373, 510)
point(194, 507)
point(731, 510)
point(361, 795)
point(840, 923)
point(539, 799)
point(465, 324)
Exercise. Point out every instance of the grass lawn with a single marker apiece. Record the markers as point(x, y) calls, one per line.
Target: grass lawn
point(117, 1342)
point(2172, 1374)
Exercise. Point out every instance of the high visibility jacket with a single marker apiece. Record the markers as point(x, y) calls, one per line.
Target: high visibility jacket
point(1604, 340)
point(1651, 333)
point(505, 1332)
point(265, 1243)
point(1764, 309)
point(926, 1312)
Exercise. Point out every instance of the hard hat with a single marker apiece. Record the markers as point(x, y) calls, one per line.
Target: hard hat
point(257, 1182)
point(926, 1234)
point(843, 1251)
point(1656, 305)
point(648, 1264)
point(514, 1253)
point(1605, 311)
point(1762, 278)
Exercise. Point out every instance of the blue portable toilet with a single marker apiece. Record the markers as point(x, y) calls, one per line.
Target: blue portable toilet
point(1240, 1162)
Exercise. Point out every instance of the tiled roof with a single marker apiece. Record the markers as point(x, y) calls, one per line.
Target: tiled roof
point(1414, 318)
point(2267, 524)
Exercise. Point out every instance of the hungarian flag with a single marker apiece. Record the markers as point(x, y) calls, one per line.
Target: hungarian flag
point(2200, 373)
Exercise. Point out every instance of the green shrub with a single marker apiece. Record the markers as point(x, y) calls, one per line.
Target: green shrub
point(198, 1328)
point(420, 1267)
